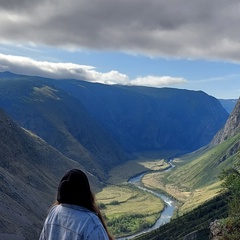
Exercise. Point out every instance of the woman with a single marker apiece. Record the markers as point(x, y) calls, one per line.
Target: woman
point(75, 215)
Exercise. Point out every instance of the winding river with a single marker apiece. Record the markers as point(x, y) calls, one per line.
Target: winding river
point(167, 212)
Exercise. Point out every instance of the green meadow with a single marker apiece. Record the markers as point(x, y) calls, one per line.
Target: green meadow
point(127, 209)
point(194, 181)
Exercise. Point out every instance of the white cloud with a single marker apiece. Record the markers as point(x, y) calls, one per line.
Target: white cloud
point(155, 81)
point(174, 28)
point(27, 66)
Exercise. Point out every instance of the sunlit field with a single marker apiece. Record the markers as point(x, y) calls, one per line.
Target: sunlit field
point(188, 200)
point(128, 210)
point(132, 168)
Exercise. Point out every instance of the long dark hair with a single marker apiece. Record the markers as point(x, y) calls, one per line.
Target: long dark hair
point(74, 188)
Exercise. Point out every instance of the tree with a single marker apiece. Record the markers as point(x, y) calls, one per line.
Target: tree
point(231, 183)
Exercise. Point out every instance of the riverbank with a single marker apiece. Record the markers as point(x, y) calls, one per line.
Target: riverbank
point(170, 204)
point(122, 173)
point(166, 214)
point(129, 207)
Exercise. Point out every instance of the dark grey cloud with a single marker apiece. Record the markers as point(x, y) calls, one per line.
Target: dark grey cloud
point(173, 28)
point(15, 5)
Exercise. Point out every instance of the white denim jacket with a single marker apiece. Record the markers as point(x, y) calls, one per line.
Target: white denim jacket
point(71, 222)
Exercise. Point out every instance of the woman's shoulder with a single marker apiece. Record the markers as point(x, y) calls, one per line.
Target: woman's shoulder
point(76, 210)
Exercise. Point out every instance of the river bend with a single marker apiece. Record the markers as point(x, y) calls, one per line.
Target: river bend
point(167, 212)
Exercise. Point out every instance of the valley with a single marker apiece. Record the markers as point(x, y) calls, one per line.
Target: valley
point(123, 202)
point(188, 190)
point(130, 209)
point(113, 133)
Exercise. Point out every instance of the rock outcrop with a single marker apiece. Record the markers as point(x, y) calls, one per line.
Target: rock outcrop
point(216, 230)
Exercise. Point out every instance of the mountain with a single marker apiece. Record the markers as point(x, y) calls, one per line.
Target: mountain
point(228, 104)
point(61, 120)
point(29, 171)
point(101, 126)
point(231, 128)
point(62, 124)
point(149, 119)
point(203, 167)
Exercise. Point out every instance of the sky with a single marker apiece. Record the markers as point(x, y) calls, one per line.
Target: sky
point(157, 43)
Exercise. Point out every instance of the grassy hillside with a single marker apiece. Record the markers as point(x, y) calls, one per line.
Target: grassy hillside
point(196, 177)
point(29, 174)
point(206, 168)
point(194, 181)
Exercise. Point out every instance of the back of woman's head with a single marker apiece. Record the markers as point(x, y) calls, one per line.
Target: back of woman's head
point(74, 189)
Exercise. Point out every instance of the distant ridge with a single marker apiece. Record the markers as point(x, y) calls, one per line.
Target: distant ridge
point(231, 127)
point(120, 120)
point(149, 119)
point(228, 104)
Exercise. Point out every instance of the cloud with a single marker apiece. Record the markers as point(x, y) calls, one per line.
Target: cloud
point(157, 81)
point(217, 79)
point(27, 66)
point(173, 28)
